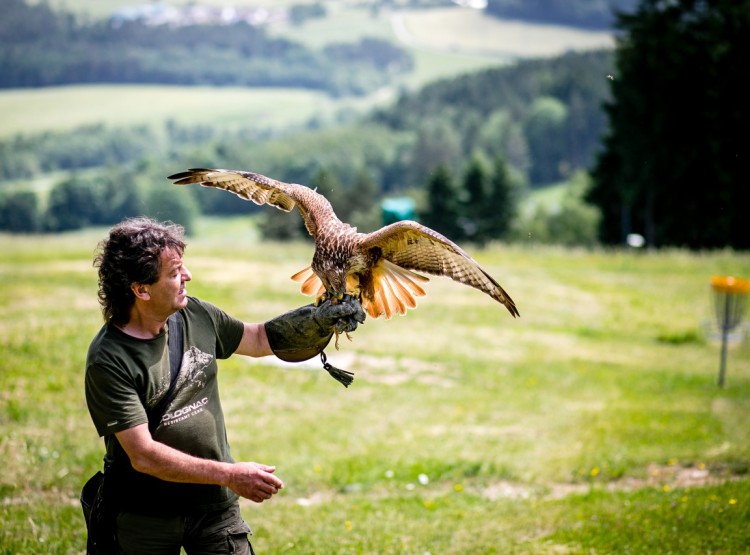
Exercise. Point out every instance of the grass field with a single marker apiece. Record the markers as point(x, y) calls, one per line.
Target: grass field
point(592, 424)
point(474, 32)
point(30, 111)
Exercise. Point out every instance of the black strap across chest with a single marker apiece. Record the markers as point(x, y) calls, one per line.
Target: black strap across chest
point(174, 341)
point(175, 346)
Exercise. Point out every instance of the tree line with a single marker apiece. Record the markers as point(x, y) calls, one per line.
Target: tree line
point(543, 116)
point(453, 128)
point(478, 207)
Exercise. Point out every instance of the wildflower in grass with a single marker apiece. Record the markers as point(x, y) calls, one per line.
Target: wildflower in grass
point(732, 501)
point(389, 473)
point(665, 488)
point(423, 479)
point(318, 468)
point(458, 487)
point(595, 472)
point(672, 462)
point(429, 503)
point(348, 524)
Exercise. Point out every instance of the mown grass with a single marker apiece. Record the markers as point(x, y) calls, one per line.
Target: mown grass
point(30, 111)
point(579, 428)
point(474, 32)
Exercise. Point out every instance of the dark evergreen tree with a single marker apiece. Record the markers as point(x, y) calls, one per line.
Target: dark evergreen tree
point(674, 164)
point(501, 207)
point(474, 220)
point(443, 211)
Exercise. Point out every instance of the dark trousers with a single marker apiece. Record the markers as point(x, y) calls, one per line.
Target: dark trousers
point(207, 534)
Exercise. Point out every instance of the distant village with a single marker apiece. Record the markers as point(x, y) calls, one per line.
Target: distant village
point(158, 13)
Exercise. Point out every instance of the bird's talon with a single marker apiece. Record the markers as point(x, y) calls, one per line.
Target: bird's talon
point(320, 300)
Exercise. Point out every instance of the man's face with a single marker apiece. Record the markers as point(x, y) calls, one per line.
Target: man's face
point(168, 293)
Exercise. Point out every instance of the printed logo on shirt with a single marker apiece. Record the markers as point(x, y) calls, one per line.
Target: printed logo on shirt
point(183, 413)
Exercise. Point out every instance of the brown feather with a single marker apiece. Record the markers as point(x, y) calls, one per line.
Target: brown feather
point(311, 284)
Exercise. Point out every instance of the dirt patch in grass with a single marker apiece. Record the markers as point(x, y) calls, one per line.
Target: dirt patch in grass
point(665, 477)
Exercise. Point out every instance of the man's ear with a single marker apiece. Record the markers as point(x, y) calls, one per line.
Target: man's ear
point(141, 291)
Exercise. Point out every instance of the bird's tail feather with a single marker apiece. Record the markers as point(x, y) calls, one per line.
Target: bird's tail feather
point(393, 290)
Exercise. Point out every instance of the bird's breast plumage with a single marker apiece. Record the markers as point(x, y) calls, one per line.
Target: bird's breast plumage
point(334, 248)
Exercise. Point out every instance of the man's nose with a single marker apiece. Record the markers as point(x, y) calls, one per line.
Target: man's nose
point(186, 275)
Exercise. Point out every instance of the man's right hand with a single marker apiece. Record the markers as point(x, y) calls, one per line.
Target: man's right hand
point(254, 481)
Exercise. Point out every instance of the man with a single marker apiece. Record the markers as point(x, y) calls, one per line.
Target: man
point(168, 471)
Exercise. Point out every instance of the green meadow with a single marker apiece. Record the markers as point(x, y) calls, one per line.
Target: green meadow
point(591, 424)
point(32, 111)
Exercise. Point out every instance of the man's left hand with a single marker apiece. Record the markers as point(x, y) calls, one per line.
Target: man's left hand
point(345, 315)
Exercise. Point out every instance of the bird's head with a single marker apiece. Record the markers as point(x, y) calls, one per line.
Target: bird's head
point(336, 287)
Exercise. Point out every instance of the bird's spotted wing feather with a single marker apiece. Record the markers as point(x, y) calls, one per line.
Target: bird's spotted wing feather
point(412, 246)
point(260, 190)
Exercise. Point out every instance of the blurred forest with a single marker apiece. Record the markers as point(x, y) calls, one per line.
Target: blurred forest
point(595, 14)
point(468, 149)
point(41, 47)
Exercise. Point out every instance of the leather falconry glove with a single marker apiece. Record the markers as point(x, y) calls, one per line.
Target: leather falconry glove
point(303, 333)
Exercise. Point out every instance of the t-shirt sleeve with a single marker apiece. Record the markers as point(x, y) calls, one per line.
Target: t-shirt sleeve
point(229, 330)
point(112, 399)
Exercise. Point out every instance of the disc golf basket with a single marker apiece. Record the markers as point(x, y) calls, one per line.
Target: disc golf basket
point(730, 295)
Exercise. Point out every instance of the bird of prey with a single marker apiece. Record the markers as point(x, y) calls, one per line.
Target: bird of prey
point(378, 268)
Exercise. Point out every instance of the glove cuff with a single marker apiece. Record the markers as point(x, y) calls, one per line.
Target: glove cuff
point(296, 335)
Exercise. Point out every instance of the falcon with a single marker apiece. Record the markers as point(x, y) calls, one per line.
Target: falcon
point(378, 268)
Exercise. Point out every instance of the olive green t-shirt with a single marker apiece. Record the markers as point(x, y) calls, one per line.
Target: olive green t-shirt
point(127, 377)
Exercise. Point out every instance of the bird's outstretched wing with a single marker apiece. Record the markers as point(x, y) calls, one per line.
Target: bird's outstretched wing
point(262, 190)
point(414, 247)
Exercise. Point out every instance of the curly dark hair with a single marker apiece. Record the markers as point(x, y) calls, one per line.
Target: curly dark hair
point(131, 254)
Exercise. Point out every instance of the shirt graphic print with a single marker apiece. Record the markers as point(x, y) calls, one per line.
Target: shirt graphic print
point(190, 381)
